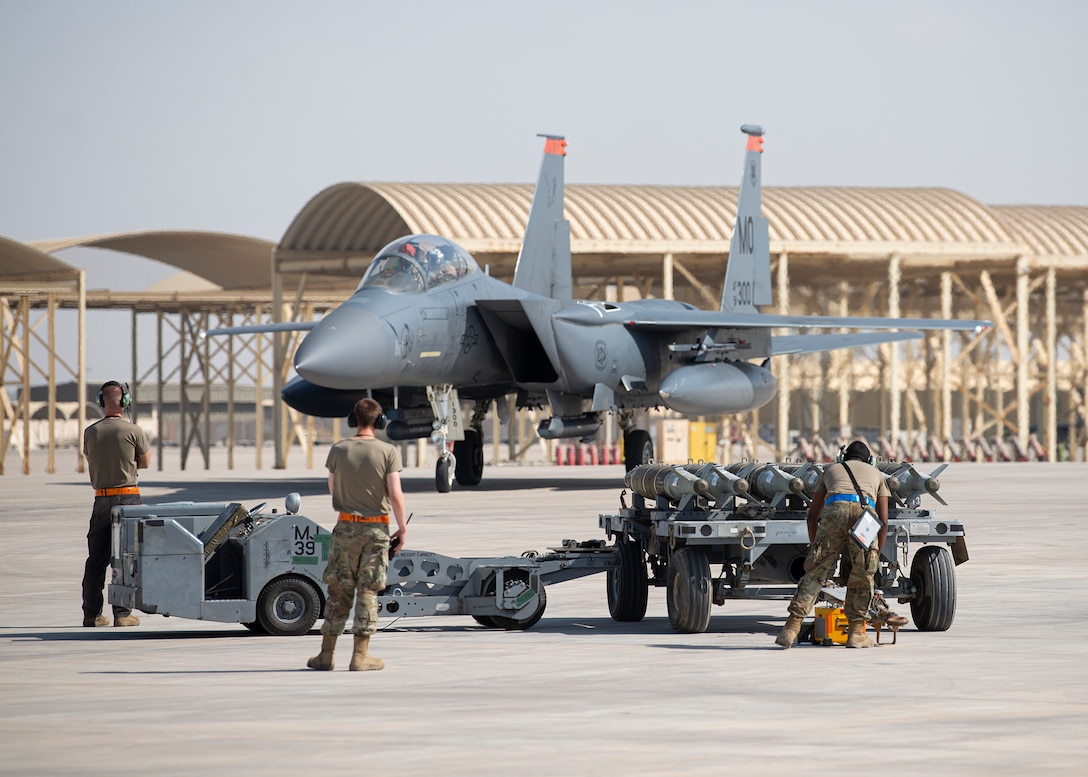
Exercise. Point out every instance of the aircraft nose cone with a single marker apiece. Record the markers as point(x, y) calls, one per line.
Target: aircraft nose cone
point(348, 349)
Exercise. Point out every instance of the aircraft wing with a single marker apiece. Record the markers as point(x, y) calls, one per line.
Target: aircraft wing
point(675, 321)
point(797, 344)
point(252, 329)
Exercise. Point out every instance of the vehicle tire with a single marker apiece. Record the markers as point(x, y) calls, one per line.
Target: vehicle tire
point(688, 591)
point(288, 607)
point(513, 624)
point(469, 453)
point(933, 576)
point(638, 448)
point(255, 627)
point(627, 584)
point(442, 479)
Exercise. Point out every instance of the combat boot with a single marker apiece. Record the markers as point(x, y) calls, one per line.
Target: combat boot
point(323, 660)
point(98, 620)
point(126, 620)
point(789, 632)
point(360, 661)
point(857, 638)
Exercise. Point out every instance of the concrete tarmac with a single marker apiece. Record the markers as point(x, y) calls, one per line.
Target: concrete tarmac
point(1003, 692)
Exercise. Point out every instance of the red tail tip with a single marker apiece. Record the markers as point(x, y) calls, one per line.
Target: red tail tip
point(555, 146)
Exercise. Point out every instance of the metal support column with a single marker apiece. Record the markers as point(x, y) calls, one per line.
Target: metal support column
point(1051, 366)
point(894, 388)
point(844, 369)
point(1023, 334)
point(279, 348)
point(51, 467)
point(782, 434)
point(1084, 380)
point(81, 368)
point(946, 360)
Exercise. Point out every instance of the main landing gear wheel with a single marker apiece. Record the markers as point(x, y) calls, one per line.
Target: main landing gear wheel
point(469, 454)
point(688, 591)
point(638, 448)
point(627, 584)
point(934, 578)
point(288, 607)
point(443, 475)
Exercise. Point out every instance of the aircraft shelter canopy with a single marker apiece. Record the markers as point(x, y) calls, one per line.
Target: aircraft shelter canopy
point(353, 221)
point(229, 261)
point(490, 218)
point(21, 263)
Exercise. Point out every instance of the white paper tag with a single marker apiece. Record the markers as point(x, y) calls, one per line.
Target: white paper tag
point(866, 528)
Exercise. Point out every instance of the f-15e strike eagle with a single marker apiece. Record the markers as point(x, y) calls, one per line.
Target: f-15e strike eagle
point(426, 329)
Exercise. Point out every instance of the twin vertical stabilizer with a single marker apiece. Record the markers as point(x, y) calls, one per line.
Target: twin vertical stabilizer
point(748, 271)
point(543, 265)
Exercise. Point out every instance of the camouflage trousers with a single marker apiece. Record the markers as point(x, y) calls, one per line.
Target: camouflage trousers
point(358, 561)
point(833, 542)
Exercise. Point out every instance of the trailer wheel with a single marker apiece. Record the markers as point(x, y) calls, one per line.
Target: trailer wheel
point(288, 607)
point(513, 624)
point(934, 578)
point(627, 584)
point(638, 448)
point(469, 470)
point(442, 476)
point(688, 591)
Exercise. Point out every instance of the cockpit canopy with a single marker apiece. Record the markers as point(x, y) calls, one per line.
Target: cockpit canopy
point(417, 263)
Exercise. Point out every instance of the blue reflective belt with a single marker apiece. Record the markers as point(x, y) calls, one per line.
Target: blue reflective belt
point(847, 498)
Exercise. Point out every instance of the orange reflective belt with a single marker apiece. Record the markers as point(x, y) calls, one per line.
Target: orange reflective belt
point(364, 518)
point(123, 490)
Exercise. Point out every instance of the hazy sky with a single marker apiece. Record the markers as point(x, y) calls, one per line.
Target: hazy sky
point(229, 116)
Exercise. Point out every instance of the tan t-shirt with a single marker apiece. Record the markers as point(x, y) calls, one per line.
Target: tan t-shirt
point(871, 481)
point(112, 446)
point(359, 466)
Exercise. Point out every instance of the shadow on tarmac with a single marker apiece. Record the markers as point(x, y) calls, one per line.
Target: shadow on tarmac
point(423, 484)
point(243, 490)
point(108, 633)
point(572, 627)
point(232, 490)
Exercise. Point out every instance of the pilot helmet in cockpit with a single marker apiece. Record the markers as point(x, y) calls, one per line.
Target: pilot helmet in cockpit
point(440, 266)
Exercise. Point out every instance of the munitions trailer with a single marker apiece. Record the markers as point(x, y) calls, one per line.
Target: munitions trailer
point(748, 522)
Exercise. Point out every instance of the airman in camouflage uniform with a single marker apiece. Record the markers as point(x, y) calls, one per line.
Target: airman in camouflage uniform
point(834, 509)
point(364, 480)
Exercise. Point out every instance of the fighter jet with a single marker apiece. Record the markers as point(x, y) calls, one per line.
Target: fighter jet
point(426, 328)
